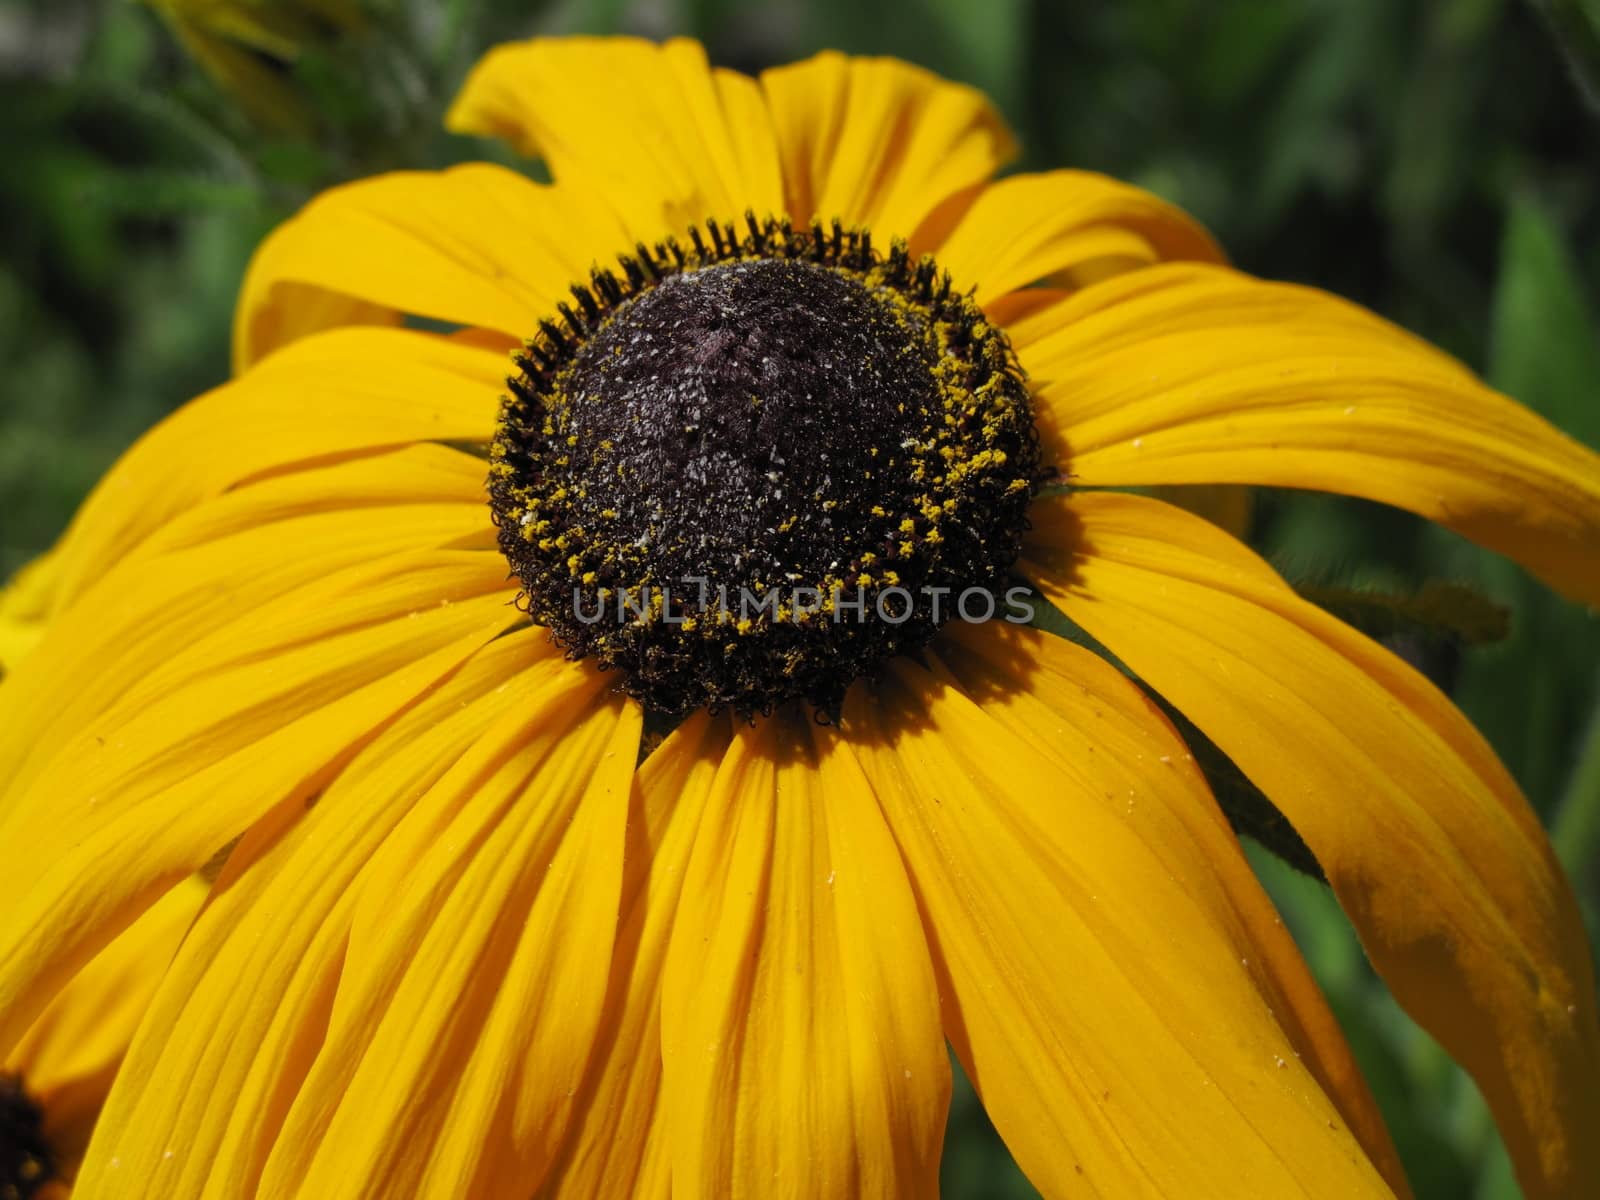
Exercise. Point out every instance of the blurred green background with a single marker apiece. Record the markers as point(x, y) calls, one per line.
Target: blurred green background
point(1434, 159)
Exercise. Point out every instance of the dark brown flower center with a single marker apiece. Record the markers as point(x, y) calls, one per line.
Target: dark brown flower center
point(748, 470)
point(27, 1162)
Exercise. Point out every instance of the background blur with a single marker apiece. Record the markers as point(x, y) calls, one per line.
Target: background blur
point(1434, 159)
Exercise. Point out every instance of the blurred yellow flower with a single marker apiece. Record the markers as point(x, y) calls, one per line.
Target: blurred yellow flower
point(467, 943)
point(246, 46)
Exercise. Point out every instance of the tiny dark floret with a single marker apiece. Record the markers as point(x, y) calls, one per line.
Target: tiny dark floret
point(748, 469)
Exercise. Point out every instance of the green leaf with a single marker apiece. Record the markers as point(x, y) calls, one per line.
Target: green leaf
point(1532, 694)
point(1577, 828)
point(984, 43)
point(156, 193)
point(1544, 349)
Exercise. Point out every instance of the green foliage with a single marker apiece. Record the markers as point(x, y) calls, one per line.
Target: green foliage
point(1543, 350)
point(1430, 158)
point(1576, 25)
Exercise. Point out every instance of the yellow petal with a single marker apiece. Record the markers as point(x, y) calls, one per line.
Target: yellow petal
point(1029, 314)
point(879, 142)
point(664, 139)
point(418, 477)
point(799, 1017)
point(25, 606)
point(298, 310)
point(1103, 734)
point(203, 747)
point(755, 142)
point(1197, 374)
point(345, 393)
point(442, 594)
point(217, 566)
point(278, 928)
point(617, 1143)
point(17, 638)
point(1091, 964)
point(1033, 227)
point(1431, 850)
point(476, 245)
point(71, 1053)
point(478, 956)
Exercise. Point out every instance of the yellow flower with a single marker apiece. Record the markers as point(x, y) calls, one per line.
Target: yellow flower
point(467, 944)
point(245, 45)
point(54, 1080)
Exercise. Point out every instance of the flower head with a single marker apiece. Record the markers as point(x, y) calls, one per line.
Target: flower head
point(785, 412)
point(495, 921)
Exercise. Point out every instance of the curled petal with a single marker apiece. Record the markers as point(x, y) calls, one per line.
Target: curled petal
point(1432, 851)
point(1187, 373)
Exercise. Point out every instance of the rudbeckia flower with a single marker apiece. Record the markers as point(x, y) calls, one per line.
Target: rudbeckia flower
point(546, 873)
